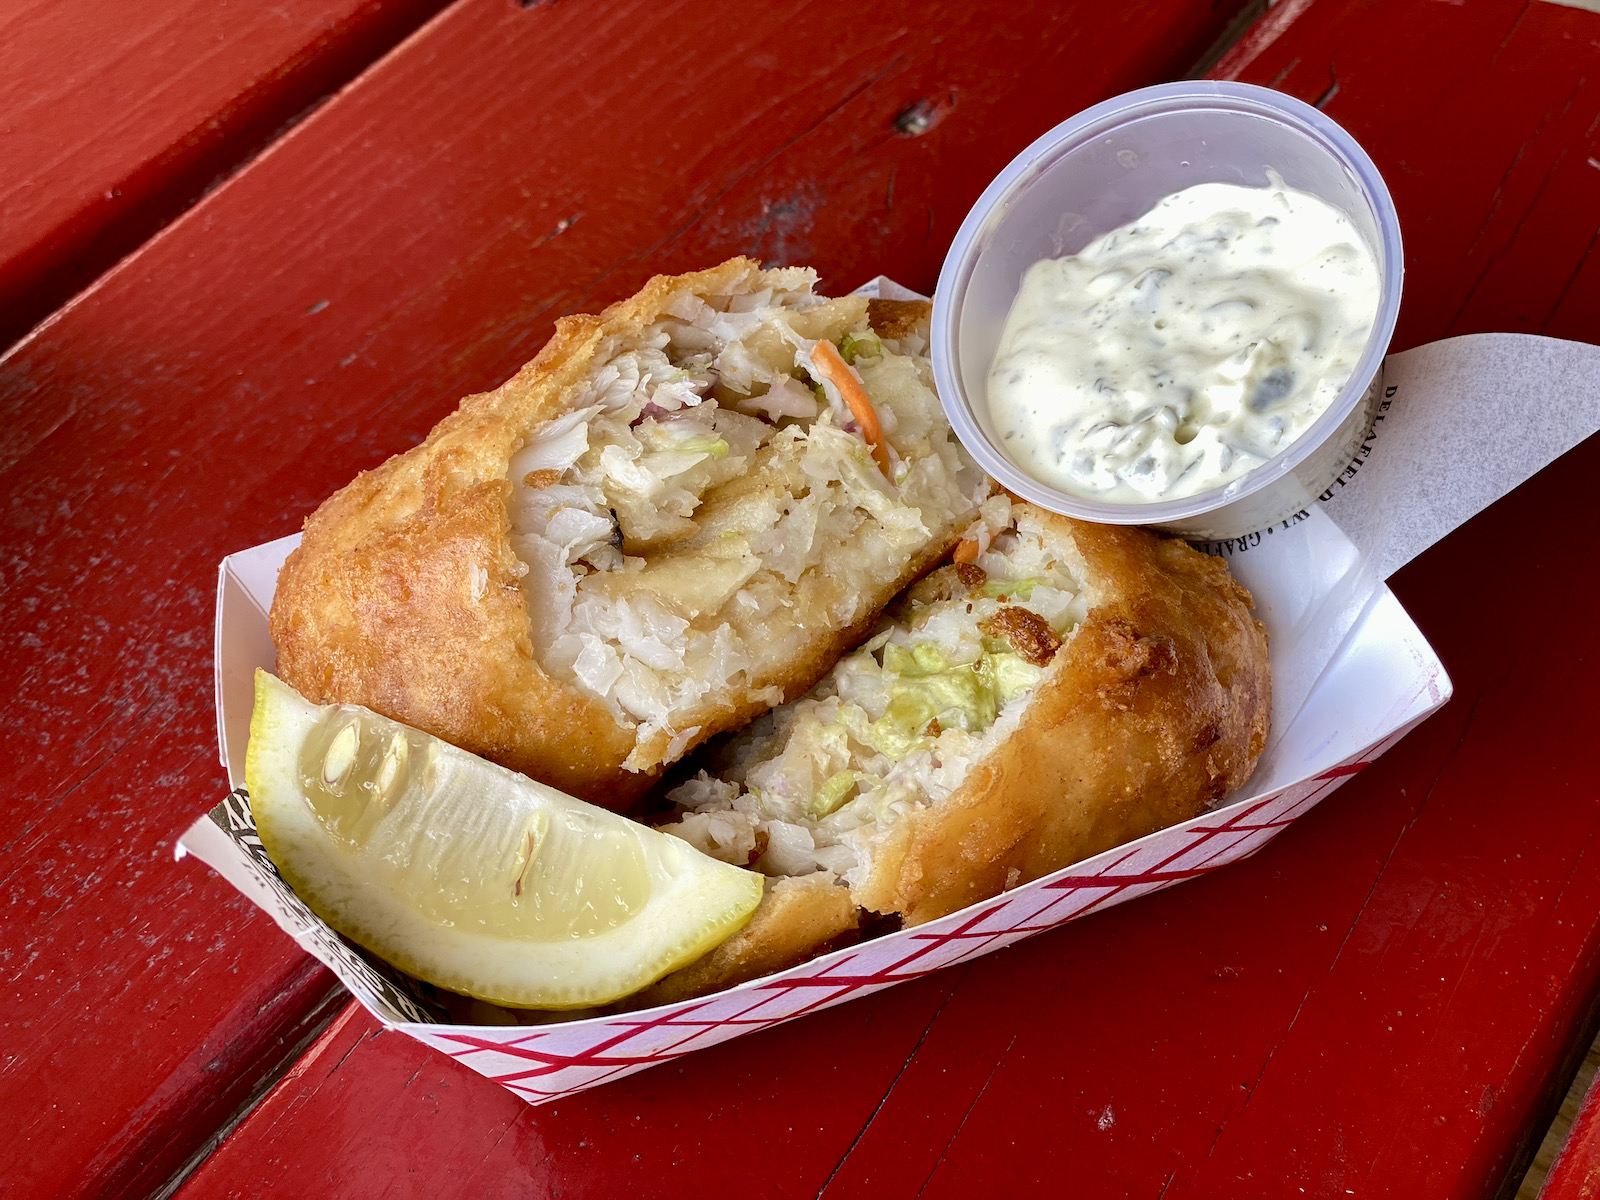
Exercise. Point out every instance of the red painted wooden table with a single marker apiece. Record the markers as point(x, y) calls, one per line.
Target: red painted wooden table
point(1575, 1174)
point(409, 242)
point(116, 117)
point(1386, 1001)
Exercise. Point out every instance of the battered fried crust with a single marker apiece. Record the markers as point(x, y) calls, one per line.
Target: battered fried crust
point(1154, 709)
point(795, 920)
point(896, 318)
point(403, 595)
point(1028, 633)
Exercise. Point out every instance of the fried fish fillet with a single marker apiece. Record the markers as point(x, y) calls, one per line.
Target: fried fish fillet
point(660, 527)
point(1070, 688)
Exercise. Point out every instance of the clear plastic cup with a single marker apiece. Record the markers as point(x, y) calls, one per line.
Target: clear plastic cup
point(1102, 169)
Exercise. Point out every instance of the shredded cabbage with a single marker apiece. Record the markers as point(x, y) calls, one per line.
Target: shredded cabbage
point(899, 722)
point(656, 587)
point(864, 345)
point(831, 794)
point(1022, 589)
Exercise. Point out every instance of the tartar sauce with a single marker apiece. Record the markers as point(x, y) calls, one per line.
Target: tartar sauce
point(1172, 355)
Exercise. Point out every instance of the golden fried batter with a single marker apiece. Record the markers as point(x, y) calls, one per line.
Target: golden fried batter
point(796, 920)
point(407, 593)
point(1027, 632)
point(1153, 707)
point(897, 318)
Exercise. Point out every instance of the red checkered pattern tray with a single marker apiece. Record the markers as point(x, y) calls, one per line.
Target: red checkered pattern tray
point(1381, 683)
point(548, 1063)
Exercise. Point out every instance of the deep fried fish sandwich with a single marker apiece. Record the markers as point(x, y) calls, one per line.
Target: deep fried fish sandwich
point(683, 511)
point(1060, 689)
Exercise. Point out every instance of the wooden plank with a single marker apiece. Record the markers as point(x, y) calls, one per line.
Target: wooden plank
point(1575, 1173)
point(410, 242)
point(116, 117)
point(1555, 1134)
point(1380, 1003)
point(1485, 147)
point(770, 1115)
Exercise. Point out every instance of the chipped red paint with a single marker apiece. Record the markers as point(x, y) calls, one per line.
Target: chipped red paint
point(410, 241)
point(1381, 1003)
point(1575, 1174)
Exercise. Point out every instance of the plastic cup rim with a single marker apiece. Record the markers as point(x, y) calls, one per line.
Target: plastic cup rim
point(1199, 95)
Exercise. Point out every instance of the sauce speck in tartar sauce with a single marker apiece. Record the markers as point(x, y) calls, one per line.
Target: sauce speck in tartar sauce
point(1172, 355)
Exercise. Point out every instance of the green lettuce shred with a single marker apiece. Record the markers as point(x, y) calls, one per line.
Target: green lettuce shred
point(866, 345)
point(969, 696)
point(1011, 673)
point(705, 444)
point(1021, 589)
point(828, 798)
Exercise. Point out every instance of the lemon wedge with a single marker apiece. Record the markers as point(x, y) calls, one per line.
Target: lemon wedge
point(470, 876)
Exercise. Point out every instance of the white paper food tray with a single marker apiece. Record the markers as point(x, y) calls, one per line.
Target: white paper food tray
point(1351, 675)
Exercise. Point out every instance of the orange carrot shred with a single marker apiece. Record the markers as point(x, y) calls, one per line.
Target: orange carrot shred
point(966, 550)
point(826, 358)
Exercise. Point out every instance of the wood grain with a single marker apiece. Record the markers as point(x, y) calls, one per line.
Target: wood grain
point(1575, 1173)
point(116, 117)
point(409, 242)
point(1385, 1002)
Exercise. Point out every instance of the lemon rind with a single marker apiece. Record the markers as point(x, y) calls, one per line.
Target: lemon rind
point(518, 973)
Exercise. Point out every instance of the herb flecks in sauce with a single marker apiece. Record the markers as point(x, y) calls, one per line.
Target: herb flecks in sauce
point(1172, 355)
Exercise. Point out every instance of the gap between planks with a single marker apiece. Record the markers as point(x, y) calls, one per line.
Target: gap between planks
point(336, 1000)
point(1561, 1126)
point(308, 80)
point(333, 1002)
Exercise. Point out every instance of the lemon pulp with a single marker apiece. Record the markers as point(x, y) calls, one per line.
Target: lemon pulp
point(470, 876)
